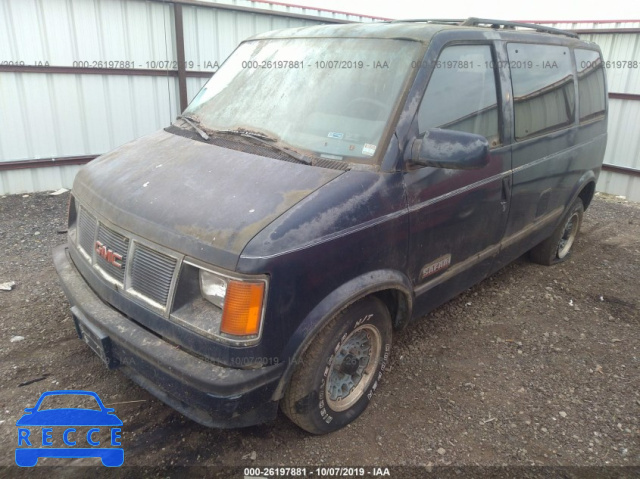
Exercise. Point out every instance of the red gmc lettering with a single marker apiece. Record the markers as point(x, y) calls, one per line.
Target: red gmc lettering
point(108, 255)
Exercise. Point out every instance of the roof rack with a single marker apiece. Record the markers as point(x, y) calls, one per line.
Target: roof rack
point(496, 24)
point(476, 22)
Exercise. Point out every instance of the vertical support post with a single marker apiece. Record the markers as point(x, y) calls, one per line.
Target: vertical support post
point(182, 72)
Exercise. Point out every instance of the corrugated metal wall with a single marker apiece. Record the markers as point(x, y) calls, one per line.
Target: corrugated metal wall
point(51, 111)
point(623, 148)
point(59, 115)
point(623, 79)
point(54, 114)
point(212, 34)
point(285, 8)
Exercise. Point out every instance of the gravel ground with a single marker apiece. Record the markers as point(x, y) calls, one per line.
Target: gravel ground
point(534, 366)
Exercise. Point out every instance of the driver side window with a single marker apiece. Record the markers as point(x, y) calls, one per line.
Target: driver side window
point(461, 94)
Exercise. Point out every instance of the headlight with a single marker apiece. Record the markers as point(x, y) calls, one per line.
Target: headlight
point(221, 305)
point(240, 300)
point(213, 287)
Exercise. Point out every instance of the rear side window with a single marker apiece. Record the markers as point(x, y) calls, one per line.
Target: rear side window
point(590, 84)
point(461, 94)
point(543, 89)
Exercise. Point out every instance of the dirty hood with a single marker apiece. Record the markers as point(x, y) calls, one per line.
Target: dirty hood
point(195, 198)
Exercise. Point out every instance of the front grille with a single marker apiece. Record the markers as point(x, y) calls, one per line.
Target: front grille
point(87, 231)
point(144, 275)
point(115, 243)
point(151, 273)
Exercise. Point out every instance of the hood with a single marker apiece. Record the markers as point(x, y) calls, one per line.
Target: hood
point(198, 199)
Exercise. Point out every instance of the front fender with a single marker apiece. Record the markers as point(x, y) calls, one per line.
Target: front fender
point(335, 302)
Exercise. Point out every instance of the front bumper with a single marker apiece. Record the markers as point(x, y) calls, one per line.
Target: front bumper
point(210, 394)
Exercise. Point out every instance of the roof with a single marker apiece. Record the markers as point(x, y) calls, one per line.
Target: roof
point(416, 30)
point(420, 32)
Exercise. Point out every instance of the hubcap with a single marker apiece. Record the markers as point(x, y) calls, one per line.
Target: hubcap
point(568, 235)
point(353, 367)
point(350, 365)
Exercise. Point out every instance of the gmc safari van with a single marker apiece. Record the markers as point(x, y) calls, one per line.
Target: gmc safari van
point(325, 187)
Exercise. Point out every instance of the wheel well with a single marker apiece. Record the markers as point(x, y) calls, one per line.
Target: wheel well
point(398, 305)
point(586, 195)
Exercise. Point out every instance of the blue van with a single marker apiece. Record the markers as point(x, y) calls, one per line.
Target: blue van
point(325, 187)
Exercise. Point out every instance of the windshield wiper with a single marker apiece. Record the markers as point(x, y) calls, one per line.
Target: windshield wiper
point(269, 141)
point(192, 122)
point(249, 134)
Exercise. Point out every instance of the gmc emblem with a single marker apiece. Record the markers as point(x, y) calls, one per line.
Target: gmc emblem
point(108, 255)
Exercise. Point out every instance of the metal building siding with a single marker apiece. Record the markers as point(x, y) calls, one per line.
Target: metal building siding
point(591, 25)
point(13, 138)
point(623, 149)
point(194, 85)
point(619, 184)
point(45, 115)
point(622, 47)
point(301, 10)
point(58, 115)
point(63, 31)
point(615, 47)
point(37, 179)
point(623, 145)
point(211, 34)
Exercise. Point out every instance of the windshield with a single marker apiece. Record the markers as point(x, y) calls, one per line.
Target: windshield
point(332, 97)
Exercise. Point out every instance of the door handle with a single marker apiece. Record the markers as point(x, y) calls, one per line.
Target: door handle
point(506, 190)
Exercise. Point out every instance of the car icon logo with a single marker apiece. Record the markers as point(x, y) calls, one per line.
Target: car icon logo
point(73, 422)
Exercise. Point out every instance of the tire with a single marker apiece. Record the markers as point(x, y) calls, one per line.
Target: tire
point(341, 369)
point(557, 247)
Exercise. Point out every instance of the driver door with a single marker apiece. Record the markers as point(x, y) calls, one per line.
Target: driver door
point(458, 217)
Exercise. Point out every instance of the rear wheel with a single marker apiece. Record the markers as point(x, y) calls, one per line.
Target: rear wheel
point(557, 247)
point(340, 371)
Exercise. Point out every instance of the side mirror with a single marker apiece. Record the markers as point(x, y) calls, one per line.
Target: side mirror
point(450, 149)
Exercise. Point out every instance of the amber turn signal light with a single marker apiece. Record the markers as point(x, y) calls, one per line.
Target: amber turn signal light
point(242, 308)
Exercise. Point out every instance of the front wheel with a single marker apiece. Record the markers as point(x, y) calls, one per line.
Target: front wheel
point(340, 371)
point(557, 247)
